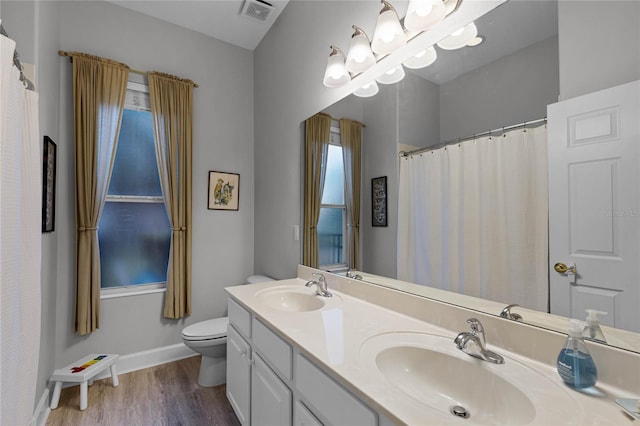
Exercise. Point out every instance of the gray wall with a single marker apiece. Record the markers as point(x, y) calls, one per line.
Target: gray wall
point(418, 111)
point(223, 141)
point(508, 91)
point(289, 65)
point(380, 158)
point(599, 45)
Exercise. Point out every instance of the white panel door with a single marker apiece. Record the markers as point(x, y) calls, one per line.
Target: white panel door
point(239, 375)
point(270, 398)
point(594, 208)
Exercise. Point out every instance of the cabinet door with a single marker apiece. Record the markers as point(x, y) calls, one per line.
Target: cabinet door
point(303, 417)
point(239, 375)
point(270, 398)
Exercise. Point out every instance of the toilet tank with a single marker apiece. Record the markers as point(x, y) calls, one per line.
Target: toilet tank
point(253, 279)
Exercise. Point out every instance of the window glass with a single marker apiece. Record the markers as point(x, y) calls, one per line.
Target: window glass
point(134, 243)
point(332, 221)
point(334, 181)
point(330, 235)
point(134, 232)
point(135, 170)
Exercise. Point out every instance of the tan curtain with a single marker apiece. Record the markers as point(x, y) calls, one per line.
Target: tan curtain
point(172, 110)
point(350, 135)
point(99, 87)
point(317, 134)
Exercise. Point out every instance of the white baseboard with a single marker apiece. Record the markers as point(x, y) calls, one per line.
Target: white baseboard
point(126, 364)
point(151, 358)
point(42, 410)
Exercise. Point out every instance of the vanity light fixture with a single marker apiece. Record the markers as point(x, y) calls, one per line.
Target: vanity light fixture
point(360, 57)
point(394, 75)
point(367, 90)
point(422, 59)
point(476, 41)
point(388, 35)
point(336, 73)
point(459, 38)
point(423, 14)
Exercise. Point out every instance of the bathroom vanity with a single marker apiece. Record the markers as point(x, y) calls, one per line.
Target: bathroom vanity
point(375, 356)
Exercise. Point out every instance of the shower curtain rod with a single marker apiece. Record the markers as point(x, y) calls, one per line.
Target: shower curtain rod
point(67, 54)
point(16, 61)
point(477, 135)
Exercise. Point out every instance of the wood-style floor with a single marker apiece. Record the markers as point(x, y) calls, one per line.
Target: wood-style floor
point(164, 395)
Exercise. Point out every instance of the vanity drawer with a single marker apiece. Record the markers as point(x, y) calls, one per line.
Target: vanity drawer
point(240, 318)
point(276, 351)
point(337, 405)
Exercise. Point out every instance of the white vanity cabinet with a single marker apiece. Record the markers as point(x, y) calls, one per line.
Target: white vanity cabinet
point(269, 382)
point(239, 375)
point(270, 398)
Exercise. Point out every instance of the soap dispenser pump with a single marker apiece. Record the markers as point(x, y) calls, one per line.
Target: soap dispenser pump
point(575, 365)
point(592, 330)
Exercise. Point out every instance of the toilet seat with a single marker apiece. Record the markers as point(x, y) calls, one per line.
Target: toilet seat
point(206, 330)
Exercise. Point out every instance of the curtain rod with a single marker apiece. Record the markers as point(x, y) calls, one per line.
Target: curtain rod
point(16, 61)
point(338, 119)
point(135, 71)
point(477, 135)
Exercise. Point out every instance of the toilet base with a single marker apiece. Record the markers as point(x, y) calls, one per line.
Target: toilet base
point(213, 372)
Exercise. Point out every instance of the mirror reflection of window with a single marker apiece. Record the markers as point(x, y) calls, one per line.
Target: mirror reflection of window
point(333, 212)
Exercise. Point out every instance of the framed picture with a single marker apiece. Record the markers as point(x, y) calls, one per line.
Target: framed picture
point(379, 201)
point(49, 185)
point(224, 191)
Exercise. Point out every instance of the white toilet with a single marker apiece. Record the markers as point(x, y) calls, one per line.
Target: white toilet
point(209, 338)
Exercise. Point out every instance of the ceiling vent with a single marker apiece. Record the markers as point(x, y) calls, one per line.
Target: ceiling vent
point(257, 10)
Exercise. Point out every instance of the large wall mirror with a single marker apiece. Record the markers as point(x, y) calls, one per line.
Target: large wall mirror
point(508, 79)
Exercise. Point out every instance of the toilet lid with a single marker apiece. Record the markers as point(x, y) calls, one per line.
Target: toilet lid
point(204, 330)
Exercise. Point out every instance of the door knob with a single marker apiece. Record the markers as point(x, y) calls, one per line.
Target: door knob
point(564, 269)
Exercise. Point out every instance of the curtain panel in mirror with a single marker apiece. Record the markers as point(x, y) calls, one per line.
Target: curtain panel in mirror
point(317, 136)
point(99, 87)
point(351, 137)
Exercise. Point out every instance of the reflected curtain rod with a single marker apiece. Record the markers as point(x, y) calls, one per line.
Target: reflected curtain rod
point(477, 135)
point(338, 120)
point(63, 53)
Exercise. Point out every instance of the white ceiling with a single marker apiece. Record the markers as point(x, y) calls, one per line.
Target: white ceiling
point(219, 19)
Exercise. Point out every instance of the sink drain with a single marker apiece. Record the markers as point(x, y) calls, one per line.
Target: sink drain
point(460, 411)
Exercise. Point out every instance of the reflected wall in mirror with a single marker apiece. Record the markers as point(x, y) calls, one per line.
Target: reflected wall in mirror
point(534, 54)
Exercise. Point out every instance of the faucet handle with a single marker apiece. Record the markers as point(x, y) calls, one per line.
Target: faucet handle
point(475, 325)
point(320, 276)
point(506, 313)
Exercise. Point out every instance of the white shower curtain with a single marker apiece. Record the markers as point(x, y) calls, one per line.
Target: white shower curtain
point(20, 242)
point(473, 218)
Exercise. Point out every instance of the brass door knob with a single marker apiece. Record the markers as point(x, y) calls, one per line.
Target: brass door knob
point(564, 269)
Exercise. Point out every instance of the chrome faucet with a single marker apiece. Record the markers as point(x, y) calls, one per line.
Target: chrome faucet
point(506, 313)
point(321, 284)
point(350, 274)
point(474, 343)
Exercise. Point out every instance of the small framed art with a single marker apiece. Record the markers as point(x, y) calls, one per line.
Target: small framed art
point(379, 201)
point(49, 185)
point(224, 191)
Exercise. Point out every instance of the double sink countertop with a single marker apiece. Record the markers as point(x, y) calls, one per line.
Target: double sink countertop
point(411, 371)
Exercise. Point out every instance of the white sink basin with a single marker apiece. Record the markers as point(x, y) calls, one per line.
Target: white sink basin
point(291, 299)
point(433, 373)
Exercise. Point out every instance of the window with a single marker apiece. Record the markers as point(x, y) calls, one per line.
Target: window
point(134, 231)
point(333, 211)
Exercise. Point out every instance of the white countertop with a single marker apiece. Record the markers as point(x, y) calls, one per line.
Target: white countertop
point(338, 337)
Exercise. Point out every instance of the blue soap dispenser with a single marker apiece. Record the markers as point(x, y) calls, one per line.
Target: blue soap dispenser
point(575, 365)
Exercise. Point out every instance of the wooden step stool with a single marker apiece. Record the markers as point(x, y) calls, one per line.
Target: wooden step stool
point(83, 371)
